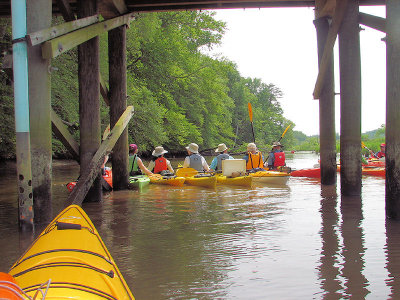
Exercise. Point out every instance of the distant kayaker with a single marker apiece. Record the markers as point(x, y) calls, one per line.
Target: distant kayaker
point(159, 163)
point(254, 158)
point(381, 153)
point(276, 157)
point(135, 165)
point(195, 160)
point(216, 164)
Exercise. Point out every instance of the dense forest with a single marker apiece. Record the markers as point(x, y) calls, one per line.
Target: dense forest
point(179, 93)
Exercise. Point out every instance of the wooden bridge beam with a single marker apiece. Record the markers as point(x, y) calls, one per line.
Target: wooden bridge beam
point(89, 104)
point(374, 22)
point(330, 42)
point(61, 44)
point(39, 16)
point(393, 109)
point(350, 101)
point(89, 174)
point(326, 110)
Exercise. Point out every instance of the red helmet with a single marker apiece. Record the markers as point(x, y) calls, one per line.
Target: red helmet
point(383, 145)
point(132, 147)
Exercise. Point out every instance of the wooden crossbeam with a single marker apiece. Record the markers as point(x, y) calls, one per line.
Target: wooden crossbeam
point(374, 22)
point(61, 44)
point(89, 175)
point(44, 35)
point(64, 136)
point(66, 10)
point(112, 8)
point(340, 11)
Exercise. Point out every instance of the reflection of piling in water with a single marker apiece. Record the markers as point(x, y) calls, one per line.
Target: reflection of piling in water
point(392, 248)
point(353, 246)
point(329, 269)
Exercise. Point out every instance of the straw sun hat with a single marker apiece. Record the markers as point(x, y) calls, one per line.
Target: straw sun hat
point(221, 148)
point(194, 148)
point(159, 150)
point(251, 146)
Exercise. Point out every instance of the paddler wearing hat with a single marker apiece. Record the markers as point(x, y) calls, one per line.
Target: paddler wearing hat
point(159, 163)
point(194, 159)
point(276, 157)
point(216, 164)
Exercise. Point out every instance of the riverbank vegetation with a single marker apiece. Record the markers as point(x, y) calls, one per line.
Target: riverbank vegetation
point(179, 93)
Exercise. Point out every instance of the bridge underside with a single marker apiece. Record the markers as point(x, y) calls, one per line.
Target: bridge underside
point(107, 6)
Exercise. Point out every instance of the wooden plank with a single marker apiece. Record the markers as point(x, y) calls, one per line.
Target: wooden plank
point(104, 90)
point(66, 10)
point(64, 136)
point(89, 174)
point(44, 35)
point(59, 45)
point(340, 10)
point(374, 22)
point(112, 8)
point(324, 8)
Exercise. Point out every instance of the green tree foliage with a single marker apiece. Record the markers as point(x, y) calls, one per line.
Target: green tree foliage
point(180, 95)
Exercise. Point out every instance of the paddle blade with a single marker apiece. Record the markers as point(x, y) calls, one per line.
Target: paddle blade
point(186, 172)
point(287, 128)
point(363, 145)
point(250, 111)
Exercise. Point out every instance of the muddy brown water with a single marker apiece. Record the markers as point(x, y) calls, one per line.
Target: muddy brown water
point(294, 241)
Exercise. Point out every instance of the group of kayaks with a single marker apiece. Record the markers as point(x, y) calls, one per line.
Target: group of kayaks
point(190, 176)
point(68, 260)
point(373, 167)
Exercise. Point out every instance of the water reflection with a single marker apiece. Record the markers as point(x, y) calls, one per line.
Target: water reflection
point(353, 247)
point(330, 258)
point(392, 251)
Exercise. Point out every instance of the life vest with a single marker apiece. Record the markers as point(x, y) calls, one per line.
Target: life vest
point(220, 158)
point(195, 162)
point(160, 164)
point(279, 159)
point(133, 166)
point(380, 154)
point(254, 161)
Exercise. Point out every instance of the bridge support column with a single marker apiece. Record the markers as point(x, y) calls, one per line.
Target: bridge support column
point(117, 82)
point(326, 110)
point(89, 102)
point(350, 101)
point(393, 109)
point(39, 14)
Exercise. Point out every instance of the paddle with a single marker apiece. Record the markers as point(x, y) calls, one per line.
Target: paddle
point(186, 172)
point(251, 120)
point(283, 134)
point(370, 151)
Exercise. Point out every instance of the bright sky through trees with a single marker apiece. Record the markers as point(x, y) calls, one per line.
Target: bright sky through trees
point(278, 45)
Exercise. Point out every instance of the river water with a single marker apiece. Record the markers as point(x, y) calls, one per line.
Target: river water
point(300, 240)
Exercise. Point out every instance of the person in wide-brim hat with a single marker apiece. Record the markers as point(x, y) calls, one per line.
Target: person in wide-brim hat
point(194, 159)
point(216, 163)
point(221, 148)
point(159, 163)
point(276, 157)
point(254, 158)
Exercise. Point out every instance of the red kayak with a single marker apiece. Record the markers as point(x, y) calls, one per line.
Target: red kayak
point(373, 162)
point(311, 173)
point(316, 172)
point(107, 177)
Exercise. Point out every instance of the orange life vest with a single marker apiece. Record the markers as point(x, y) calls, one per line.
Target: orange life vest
point(160, 164)
point(254, 161)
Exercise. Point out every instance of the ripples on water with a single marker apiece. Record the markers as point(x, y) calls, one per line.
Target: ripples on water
point(296, 241)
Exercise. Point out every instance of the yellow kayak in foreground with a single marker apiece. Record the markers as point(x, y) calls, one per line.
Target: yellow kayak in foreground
point(70, 261)
point(240, 180)
point(270, 177)
point(205, 181)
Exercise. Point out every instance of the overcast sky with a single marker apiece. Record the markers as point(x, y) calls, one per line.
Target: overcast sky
point(278, 45)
